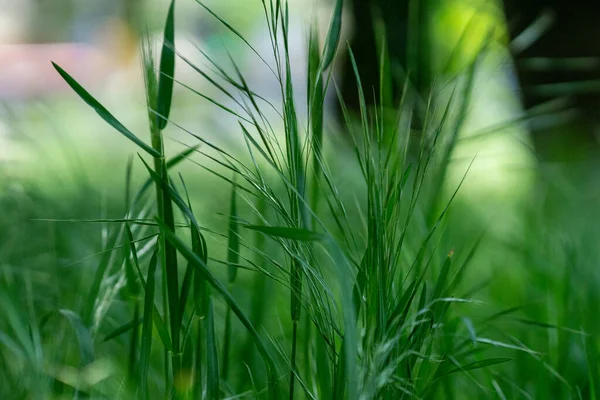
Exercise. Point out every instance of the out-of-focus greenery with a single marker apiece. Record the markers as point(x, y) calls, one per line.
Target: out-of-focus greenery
point(517, 321)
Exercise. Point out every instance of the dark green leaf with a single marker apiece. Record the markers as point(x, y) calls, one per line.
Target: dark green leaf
point(212, 359)
point(333, 36)
point(126, 327)
point(171, 271)
point(202, 269)
point(170, 164)
point(233, 245)
point(146, 344)
point(167, 70)
point(442, 278)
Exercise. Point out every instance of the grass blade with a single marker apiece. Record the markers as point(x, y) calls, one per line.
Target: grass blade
point(233, 250)
point(479, 364)
point(233, 245)
point(298, 234)
point(124, 328)
point(201, 303)
point(146, 342)
point(167, 71)
point(202, 269)
point(212, 358)
point(171, 271)
point(333, 36)
point(103, 112)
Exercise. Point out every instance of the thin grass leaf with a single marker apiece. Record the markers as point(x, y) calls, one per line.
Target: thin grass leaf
point(130, 273)
point(479, 364)
point(202, 268)
point(497, 343)
point(186, 287)
point(315, 109)
point(442, 278)
point(233, 245)
point(236, 33)
point(159, 323)
point(169, 255)
point(547, 325)
point(124, 328)
point(212, 358)
point(167, 71)
point(146, 342)
point(301, 235)
point(94, 291)
point(333, 36)
point(171, 163)
point(103, 112)
point(233, 251)
point(202, 302)
point(128, 177)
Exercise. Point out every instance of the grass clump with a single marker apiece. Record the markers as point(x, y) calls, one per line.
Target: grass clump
point(376, 305)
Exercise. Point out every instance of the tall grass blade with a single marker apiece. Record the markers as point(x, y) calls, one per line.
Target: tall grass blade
point(167, 71)
point(202, 269)
point(146, 341)
point(233, 245)
point(233, 251)
point(103, 112)
point(283, 232)
point(212, 363)
point(333, 36)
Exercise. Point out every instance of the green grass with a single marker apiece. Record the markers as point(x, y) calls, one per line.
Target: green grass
point(315, 265)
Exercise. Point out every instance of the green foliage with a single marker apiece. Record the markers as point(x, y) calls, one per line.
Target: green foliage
point(387, 299)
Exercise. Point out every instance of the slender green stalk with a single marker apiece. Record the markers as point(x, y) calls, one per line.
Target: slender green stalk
point(159, 94)
point(233, 250)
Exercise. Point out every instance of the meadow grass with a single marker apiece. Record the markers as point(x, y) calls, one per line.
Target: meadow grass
point(334, 273)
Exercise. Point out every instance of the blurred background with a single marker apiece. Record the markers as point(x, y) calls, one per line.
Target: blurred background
point(532, 122)
point(98, 44)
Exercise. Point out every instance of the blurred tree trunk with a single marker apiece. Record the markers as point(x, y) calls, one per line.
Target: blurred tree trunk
point(405, 24)
point(563, 62)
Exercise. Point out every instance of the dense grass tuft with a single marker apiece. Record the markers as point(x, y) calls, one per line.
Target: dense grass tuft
point(337, 272)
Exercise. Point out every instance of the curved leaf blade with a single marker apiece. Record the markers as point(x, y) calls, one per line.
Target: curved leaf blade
point(333, 36)
point(167, 70)
point(479, 364)
point(202, 269)
point(301, 235)
point(102, 111)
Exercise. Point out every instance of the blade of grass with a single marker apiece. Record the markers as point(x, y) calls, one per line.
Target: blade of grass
point(233, 250)
point(146, 341)
point(212, 364)
point(103, 112)
point(202, 269)
point(297, 234)
point(124, 328)
point(167, 70)
point(333, 36)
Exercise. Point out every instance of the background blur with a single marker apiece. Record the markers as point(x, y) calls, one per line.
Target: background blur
point(98, 44)
point(532, 123)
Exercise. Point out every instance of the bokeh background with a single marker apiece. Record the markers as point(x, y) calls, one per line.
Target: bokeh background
point(532, 127)
point(98, 43)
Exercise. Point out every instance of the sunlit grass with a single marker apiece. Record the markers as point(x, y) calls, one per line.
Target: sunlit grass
point(313, 265)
